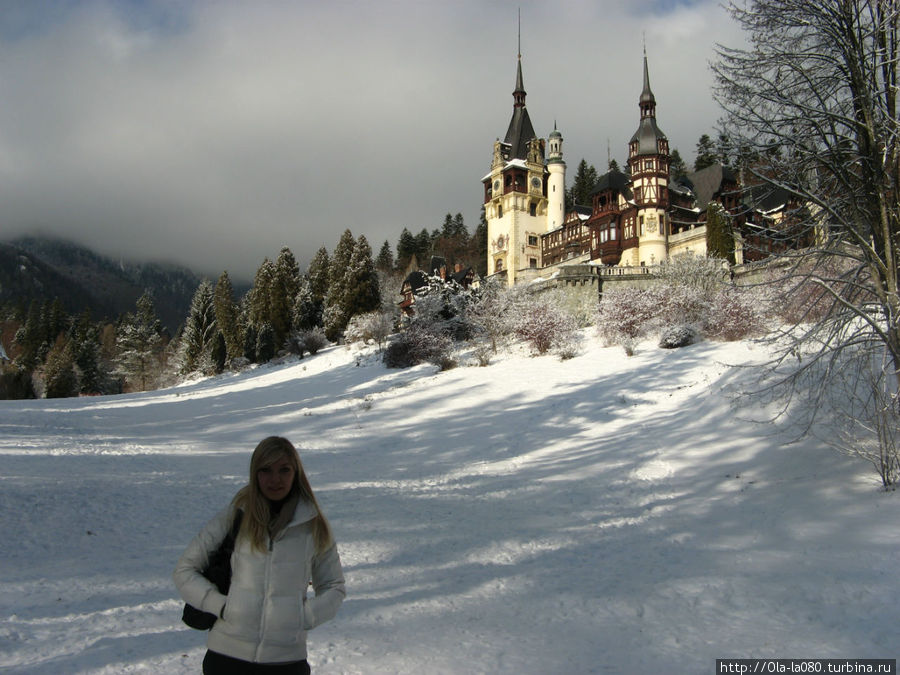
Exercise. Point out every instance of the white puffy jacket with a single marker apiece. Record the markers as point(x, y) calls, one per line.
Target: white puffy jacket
point(266, 614)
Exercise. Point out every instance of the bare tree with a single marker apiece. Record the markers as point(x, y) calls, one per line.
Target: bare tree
point(812, 105)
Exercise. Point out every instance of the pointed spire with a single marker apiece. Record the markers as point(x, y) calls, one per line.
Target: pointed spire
point(519, 93)
point(648, 135)
point(646, 94)
point(520, 130)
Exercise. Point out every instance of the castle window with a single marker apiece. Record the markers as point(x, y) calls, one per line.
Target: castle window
point(532, 263)
point(533, 209)
point(500, 210)
point(532, 239)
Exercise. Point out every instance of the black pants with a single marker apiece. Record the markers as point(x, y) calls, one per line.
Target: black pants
point(219, 664)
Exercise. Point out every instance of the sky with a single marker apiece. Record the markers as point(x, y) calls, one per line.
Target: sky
point(213, 133)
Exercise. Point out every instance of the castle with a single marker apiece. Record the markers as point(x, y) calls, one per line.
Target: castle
point(637, 219)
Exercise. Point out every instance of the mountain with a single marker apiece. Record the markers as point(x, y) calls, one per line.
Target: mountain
point(37, 268)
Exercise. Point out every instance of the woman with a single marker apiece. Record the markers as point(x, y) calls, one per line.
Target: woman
point(284, 541)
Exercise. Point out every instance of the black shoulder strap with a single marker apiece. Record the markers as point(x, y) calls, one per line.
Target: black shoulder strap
point(228, 544)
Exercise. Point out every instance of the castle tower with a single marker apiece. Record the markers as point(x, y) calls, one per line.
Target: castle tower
point(648, 159)
point(556, 183)
point(515, 194)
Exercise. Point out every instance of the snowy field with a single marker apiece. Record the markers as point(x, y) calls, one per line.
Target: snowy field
point(600, 515)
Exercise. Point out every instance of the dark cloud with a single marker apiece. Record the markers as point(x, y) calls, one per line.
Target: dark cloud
point(213, 133)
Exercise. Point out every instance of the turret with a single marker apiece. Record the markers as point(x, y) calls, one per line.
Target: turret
point(556, 182)
point(648, 159)
point(515, 193)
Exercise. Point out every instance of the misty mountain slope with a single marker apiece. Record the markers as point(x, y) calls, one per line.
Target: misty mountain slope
point(82, 278)
point(602, 514)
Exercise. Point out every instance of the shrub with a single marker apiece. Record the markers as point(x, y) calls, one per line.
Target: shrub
point(626, 314)
point(375, 326)
point(543, 324)
point(678, 336)
point(682, 305)
point(15, 383)
point(312, 340)
point(734, 315)
point(418, 344)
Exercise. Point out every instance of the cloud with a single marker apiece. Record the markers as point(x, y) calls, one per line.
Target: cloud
point(213, 133)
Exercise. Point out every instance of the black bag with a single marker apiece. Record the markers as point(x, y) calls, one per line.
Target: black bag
point(217, 571)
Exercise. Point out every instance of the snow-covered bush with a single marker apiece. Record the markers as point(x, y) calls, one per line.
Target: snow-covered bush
point(682, 305)
point(734, 314)
point(420, 344)
point(800, 295)
point(375, 326)
point(568, 345)
point(543, 324)
point(625, 314)
point(444, 305)
point(704, 275)
point(312, 340)
point(490, 315)
point(674, 337)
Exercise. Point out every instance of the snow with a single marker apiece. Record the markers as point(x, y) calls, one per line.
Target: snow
point(603, 514)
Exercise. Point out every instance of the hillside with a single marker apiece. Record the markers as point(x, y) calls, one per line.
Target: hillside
point(602, 514)
point(43, 269)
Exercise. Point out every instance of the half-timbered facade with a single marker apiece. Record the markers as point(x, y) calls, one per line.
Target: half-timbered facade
point(637, 218)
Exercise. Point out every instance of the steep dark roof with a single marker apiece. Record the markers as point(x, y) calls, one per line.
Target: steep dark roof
point(766, 197)
point(416, 280)
point(612, 180)
point(647, 133)
point(707, 183)
point(647, 95)
point(520, 130)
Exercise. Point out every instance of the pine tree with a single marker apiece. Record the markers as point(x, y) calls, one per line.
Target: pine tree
point(86, 354)
point(227, 316)
point(677, 167)
point(334, 316)
point(385, 260)
point(199, 331)
point(259, 307)
point(586, 179)
point(139, 344)
point(30, 337)
point(306, 312)
point(478, 244)
point(341, 258)
point(361, 293)
point(284, 291)
point(452, 244)
point(719, 235)
point(265, 343)
point(423, 247)
point(706, 153)
point(60, 379)
point(724, 150)
point(219, 352)
point(317, 274)
point(406, 249)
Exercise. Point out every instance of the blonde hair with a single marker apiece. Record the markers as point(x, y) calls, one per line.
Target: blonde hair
point(255, 506)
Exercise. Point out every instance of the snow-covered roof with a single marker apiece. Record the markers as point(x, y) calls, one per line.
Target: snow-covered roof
point(516, 163)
